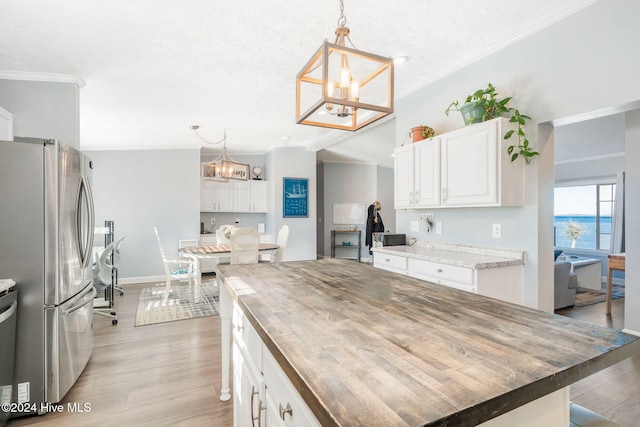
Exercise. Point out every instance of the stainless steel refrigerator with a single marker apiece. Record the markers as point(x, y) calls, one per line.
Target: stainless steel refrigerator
point(46, 239)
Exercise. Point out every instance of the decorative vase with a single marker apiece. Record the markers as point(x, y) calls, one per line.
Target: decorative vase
point(472, 112)
point(419, 133)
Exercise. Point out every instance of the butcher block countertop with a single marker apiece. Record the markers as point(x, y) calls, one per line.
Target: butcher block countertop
point(364, 346)
point(477, 257)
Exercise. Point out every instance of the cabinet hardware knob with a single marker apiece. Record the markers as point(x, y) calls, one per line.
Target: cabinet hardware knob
point(439, 270)
point(239, 328)
point(286, 410)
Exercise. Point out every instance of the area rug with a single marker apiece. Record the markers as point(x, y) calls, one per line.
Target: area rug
point(180, 305)
point(586, 297)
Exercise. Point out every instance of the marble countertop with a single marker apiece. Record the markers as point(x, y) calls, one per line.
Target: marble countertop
point(477, 257)
point(364, 346)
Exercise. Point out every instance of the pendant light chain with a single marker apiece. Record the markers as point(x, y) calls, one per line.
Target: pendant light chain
point(342, 21)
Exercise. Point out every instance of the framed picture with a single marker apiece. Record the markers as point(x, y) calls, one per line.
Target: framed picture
point(295, 197)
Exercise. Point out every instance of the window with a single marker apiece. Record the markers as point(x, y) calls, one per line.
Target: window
point(582, 216)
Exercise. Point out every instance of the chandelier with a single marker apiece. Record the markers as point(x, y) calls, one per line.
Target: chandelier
point(342, 87)
point(223, 168)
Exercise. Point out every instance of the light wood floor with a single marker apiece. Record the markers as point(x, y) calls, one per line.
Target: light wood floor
point(160, 375)
point(169, 374)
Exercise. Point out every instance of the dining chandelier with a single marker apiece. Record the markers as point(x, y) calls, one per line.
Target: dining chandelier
point(342, 87)
point(223, 167)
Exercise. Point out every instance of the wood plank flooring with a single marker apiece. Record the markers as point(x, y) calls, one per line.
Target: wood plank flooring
point(161, 375)
point(613, 392)
point(169, 374)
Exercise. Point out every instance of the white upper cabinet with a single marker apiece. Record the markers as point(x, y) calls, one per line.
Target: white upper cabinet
point(417, 175)
point(6, 125)
point(234, 196)
point(464, 168)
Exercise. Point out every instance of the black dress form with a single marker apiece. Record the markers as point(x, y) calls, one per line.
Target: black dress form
point(374, 225)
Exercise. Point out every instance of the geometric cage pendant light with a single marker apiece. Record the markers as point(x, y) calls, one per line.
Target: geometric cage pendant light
point(342, 87)
point(224, 167)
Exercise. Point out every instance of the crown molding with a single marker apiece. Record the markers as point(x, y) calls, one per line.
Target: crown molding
point(42, 77)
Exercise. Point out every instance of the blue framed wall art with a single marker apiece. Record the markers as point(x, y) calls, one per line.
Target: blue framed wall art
point(295, 197)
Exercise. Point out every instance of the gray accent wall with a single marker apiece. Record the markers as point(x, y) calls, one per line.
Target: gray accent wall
point(43, 109)
point(355, 183)
point(140, 189)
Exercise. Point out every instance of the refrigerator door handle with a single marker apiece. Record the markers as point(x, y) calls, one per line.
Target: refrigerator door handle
point(82, 302)
point(9, 312)
point(84, 236)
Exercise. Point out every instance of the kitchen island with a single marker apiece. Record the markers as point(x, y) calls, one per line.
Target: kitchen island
point(363, 346)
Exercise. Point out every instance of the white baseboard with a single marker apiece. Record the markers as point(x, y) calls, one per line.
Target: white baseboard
point(631, 332)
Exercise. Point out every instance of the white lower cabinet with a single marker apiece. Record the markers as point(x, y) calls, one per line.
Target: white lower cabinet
point(262, 393)
point(285, 407)
point(393, 263)
point(505, 283)
point(442, 274)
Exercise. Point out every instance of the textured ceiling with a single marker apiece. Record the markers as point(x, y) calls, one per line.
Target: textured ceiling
point(154, 67)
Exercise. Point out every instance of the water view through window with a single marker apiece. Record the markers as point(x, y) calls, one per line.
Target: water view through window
point(582, 217)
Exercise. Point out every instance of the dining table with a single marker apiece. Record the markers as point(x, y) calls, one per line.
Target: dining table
point(217, 252)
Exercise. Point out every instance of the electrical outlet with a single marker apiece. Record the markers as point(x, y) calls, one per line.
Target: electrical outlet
point(415, 225)
point(438, 227)
point(496, 231)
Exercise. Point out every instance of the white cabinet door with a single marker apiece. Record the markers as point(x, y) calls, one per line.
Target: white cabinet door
point(403, 171)
point(248, 391)
point(259, 196)
point(427, 173)
point(207, 196)
point(470, 166)
point(242, 201)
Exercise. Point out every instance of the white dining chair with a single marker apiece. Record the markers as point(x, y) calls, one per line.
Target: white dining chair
point(283, 237)
point(183, 243)
point(173, 269)
point(244, 246)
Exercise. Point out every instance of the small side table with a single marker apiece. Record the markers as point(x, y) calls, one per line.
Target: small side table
point(615, 262)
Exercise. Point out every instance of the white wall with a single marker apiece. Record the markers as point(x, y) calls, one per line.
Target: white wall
point(142, 189)
point(42, 109)
point(293, 163)
point(580, 64)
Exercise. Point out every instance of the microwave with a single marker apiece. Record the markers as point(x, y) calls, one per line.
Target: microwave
point(389, 239)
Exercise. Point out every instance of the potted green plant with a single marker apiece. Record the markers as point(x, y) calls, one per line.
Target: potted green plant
point(421, 132)
point(484, 105)
point(480, 106)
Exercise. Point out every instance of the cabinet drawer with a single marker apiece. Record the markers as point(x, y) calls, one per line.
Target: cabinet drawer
point(291, 409)
point(459, 277)
point(395, 263)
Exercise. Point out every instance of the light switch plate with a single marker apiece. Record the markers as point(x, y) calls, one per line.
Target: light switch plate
point(438, 228)
point(415, 225)
point(496, 231)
